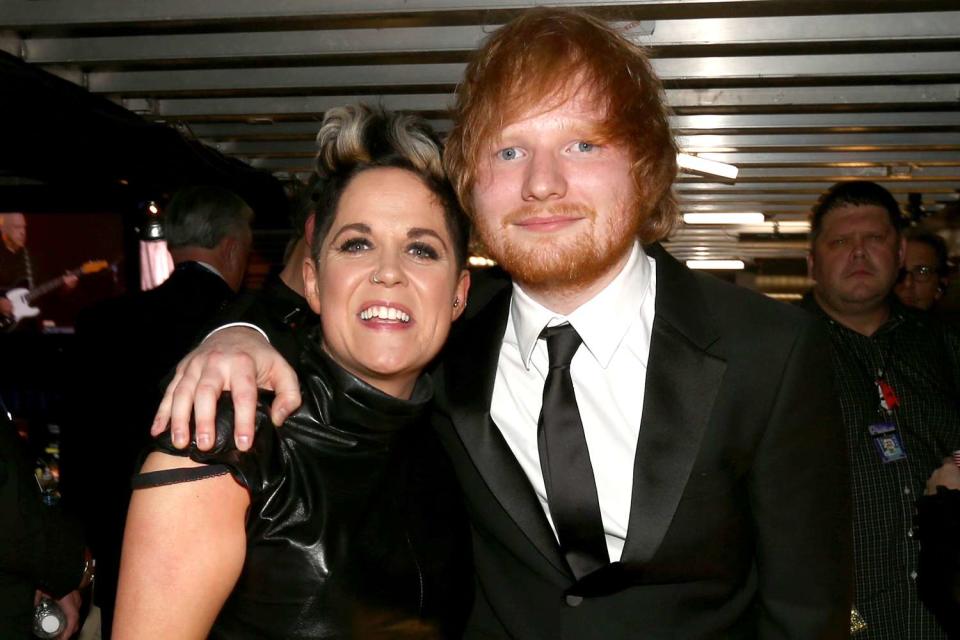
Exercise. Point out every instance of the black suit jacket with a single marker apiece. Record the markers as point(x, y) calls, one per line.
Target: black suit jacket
point(740, 518)
point(126, 347)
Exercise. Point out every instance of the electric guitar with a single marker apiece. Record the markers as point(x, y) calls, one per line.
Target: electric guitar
point(21, 298)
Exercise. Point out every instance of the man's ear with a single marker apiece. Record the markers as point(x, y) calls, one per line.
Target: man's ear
point(310, 284)
point(229, 252)
point(231, 249)
point(901, 252)
point(810, 264)
point(460, 293)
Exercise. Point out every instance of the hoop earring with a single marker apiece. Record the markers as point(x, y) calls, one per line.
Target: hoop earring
point(374, 279)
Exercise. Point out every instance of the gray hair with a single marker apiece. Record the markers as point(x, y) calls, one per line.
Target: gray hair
point(203, 216)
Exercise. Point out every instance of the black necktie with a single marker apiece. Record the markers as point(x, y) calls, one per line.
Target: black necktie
point(565, 461)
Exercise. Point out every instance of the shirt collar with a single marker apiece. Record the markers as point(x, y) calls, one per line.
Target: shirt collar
point(602, 321)
point(898, 315)
point(210, 268)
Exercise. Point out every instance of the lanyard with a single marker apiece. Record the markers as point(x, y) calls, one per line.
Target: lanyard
point(888, 398)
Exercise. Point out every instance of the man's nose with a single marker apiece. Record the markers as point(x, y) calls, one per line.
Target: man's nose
point(859, 247)
point(545, 179)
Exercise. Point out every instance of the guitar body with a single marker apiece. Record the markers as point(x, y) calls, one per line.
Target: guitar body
point(21, 305)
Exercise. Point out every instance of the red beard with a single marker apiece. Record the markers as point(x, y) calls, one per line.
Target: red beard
point(560, 262)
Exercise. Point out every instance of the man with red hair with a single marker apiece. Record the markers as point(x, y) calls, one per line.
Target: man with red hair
point(645, 452)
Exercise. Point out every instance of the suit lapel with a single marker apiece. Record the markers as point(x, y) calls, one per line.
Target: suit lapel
point(684, 374)
point(469, 372)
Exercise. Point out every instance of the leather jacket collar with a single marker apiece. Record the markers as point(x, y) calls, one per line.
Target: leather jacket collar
point(353, 406)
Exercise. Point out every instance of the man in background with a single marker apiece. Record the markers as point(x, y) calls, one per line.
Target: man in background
point(898, 380)
point(127, 345)
point(280, 308)
point(923, 279)
point(16, 268)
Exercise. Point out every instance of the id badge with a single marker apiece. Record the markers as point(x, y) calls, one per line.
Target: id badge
point(888, 442)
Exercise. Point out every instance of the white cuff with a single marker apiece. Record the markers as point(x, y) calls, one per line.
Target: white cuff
point(238, 324)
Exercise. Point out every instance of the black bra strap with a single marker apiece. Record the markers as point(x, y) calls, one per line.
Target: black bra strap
point(176, 476)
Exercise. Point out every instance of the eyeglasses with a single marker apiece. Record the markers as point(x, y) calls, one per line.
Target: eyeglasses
point(920, 273)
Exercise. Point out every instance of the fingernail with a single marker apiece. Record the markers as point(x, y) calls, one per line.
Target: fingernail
point(243, 442)
point(203, 440)
point(179, 439)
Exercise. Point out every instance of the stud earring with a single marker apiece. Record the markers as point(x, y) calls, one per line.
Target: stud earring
point(456, 302)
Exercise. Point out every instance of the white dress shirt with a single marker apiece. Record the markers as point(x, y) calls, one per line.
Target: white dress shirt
point(609, 373)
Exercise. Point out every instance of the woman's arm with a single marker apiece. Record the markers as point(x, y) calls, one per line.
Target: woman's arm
point(183, 550)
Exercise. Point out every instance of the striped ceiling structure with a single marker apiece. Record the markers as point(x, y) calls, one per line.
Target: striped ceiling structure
point(797, 94)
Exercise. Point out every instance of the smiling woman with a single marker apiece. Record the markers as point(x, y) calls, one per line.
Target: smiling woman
point(385, 279)
point(346, 522)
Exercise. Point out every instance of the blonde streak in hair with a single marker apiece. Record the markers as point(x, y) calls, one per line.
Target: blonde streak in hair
point(327, 139)
point(350, 146)
point(341, 138)
point(414, 144)
point(427, 152)
point(399, 132)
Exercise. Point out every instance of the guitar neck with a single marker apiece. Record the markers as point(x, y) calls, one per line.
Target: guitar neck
point(47, 287)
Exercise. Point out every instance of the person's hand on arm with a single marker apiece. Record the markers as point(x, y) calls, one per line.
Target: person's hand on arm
point(183, 551)
point(235, 359)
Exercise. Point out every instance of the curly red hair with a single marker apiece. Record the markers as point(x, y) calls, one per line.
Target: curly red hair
point(539, 61)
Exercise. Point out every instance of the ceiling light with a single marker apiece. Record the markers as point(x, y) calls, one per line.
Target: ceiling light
point(793, 225)
point(723, 218)
point(480, 261)
point(706, 167)
point(715, 264)
point(785, 297)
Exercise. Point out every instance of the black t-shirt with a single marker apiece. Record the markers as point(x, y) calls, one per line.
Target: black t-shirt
point(13, 269)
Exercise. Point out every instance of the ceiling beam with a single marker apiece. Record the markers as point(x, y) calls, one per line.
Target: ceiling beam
point(65, 17)
point(787, 99)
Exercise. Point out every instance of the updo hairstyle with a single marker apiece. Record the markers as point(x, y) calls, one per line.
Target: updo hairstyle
point(356, 138)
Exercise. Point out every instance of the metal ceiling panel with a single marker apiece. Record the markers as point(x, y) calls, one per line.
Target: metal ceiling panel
point(797, 93)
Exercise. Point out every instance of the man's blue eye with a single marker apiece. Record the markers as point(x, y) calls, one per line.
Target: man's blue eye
point(585, 146)
point(510, 153)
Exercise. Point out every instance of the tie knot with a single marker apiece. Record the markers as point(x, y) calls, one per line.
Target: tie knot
point(562, 343)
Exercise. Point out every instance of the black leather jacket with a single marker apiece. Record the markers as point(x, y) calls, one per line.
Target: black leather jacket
point(355, 527)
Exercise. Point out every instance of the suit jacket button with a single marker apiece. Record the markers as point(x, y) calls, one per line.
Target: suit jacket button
point(573, 601)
